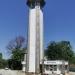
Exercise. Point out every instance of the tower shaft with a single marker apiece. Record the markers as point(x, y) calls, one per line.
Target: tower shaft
point(35, 39)
point(35, 36)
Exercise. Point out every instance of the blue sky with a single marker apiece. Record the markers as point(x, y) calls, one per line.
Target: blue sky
point(59, 21)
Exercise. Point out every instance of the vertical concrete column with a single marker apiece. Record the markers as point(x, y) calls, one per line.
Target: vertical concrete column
point(35, 36)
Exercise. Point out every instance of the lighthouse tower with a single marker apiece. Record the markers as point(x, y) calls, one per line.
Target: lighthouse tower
point(35, 35)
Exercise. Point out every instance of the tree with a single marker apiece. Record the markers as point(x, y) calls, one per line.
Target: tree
point(16, 48)
point(3, 62)
point(14, 64)
point(59, 51)
point(0, 55)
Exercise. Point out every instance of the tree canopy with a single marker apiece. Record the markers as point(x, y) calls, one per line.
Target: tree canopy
point(17, 47)
point(3, 62)
point(59, 51)
point(1, 56)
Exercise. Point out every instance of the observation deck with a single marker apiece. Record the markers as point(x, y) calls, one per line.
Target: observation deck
point(33, 3)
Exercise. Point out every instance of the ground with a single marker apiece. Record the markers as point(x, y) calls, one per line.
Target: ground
point(13, 72)
point(72, 73)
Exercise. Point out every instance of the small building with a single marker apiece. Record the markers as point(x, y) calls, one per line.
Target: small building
point(57, 67)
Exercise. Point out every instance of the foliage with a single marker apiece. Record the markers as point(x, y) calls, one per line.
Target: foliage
point(59, 51)
point(3, 63)
point(14, 64)
point(73, 60)
point(17, 48)
point(18, 54)
point(0, 55)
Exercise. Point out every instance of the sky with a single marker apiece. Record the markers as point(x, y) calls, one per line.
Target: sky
point(59, 21)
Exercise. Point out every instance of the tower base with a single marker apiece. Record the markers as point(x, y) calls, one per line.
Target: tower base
point(31, 73)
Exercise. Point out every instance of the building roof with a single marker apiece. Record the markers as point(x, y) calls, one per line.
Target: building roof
point(52, 62)
point(55, 62)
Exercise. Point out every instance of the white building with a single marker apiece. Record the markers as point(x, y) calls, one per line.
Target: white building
point(57, 67)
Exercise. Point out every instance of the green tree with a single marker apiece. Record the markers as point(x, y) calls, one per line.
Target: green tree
point(16, 48)
point(14, 64)
point(59, 51)
point(0, 55)
point(18, 54)
point(3, 63)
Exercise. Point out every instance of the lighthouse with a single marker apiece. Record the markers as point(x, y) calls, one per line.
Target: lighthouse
point(35, 50)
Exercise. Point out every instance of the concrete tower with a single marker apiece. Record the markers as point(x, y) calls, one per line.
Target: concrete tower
point(35, 35)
